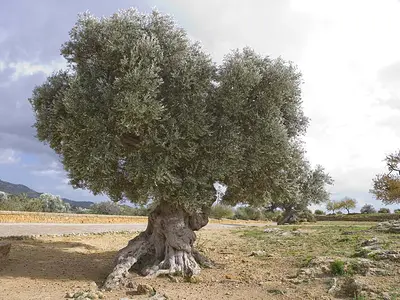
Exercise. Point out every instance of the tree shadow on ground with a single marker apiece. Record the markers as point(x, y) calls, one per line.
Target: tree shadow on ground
point(58, 260)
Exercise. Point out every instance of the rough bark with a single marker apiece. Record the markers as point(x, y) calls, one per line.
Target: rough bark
point(165, 247)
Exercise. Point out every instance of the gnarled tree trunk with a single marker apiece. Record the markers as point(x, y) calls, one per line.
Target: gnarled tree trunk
point(289, 216)
point(165, 247)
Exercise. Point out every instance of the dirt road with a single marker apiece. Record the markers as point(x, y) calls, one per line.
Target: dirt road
point(23, 229)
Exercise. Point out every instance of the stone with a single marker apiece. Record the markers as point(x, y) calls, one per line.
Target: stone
point(158, 296)
point(389, 226)
point(5, 248)
point(258, 253)
point(92, 295)
point(272, 230)
point(93, 286)
point(369, 242)
point(69, 295)
point(386, 296)
point(145, 289)
point(351, 287)
point(131, 285)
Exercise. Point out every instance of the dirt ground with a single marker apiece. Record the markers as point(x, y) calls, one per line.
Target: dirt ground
point(49, 267)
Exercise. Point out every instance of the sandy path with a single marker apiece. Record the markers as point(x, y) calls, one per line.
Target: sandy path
point(21, 229)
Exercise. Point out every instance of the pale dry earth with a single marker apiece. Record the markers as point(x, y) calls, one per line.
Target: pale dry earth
point(49, 267)
point(27, 229)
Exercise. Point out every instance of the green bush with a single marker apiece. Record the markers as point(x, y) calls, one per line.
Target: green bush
point(248, 213)
point(272, 215)
point(384, 210)
point(220, 211)
point(368, 209)
point(34, 205)
point(306, 216)
point(14, 202)
point(105, 208)
point(396, 211)
point(134, 211)
point(319, 212)
point(337, 268)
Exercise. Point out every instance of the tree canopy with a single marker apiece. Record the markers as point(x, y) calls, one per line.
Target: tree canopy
point(386, 187)
point(348, 203)
point(142, 111)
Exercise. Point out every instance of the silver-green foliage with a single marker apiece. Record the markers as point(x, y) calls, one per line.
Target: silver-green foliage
point(142, 111)
point(52, 203)
point(3, 196)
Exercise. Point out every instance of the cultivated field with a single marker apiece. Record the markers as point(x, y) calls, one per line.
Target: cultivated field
point(327, 260)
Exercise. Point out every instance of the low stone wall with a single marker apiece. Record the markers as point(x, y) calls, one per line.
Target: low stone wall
point(41, 217)
point(360, 217)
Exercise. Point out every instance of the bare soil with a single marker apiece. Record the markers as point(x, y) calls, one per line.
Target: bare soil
point(49, 267)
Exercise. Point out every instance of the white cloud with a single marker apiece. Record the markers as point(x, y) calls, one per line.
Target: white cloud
point(25, 68)
point(49, 172)
point(8, 156)
point(53, 170)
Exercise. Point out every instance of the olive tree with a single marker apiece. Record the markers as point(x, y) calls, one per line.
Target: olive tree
point(334, 206)
point(368, 209)
point(142, 112)
point(386, 186)
point(299, 186)
point(3, 196)
point(348, 203)
point(52, 203)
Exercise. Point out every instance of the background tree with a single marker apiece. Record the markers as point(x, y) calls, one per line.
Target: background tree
point(303, 186)
point(348, 203)
point(52, 203)
point(334, 206)
point(142, 112)
point(319, 212)
point(368, 209)
point(3, 196)
point(106, 208)
point(384, 210)
point(386, 187)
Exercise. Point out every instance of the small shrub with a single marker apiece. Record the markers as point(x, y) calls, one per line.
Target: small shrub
point(220, 211)
point(306, 215)
point(34, 205)
point(272, 216)
point(248, 213)
point(319, 212)
point(339, 213)
point(397, 211)
point(141, 210)
point(338, 268)
point(384, 210)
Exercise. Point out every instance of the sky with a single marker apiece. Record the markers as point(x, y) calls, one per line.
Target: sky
point(348, 52)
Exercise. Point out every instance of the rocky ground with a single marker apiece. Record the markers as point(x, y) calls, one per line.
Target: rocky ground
point(315, 261)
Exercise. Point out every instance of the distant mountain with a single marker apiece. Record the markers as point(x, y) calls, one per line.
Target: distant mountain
point(16, 189)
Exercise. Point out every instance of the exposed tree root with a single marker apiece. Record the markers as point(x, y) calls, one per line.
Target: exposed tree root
point(164, 248)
